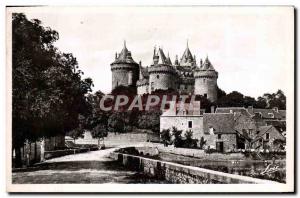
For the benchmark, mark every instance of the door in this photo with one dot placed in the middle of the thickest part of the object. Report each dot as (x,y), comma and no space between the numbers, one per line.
(220,147)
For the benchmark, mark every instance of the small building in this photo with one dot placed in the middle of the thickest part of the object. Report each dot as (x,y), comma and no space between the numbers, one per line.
(184,119)
(268,137)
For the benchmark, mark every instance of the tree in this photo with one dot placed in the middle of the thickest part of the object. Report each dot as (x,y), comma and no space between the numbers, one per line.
(99,132)
(76,133)
(165,136)
(177,137)
(189,139)
(202,142)
(48,93)
(116,122)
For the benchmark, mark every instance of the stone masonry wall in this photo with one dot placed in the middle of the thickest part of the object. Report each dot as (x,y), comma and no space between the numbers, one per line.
(181,174)
(181,123)
(162,81)
(206,86)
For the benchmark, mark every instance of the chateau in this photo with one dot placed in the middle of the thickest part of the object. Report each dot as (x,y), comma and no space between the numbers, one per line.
(183,75)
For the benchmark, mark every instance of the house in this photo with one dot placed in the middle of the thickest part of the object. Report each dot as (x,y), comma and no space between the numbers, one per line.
(219,131)
(268,137)
(184,118)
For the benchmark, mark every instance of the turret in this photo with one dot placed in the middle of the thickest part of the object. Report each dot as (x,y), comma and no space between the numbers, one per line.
(206,81)
(187,58)
(161,73)
(125,71)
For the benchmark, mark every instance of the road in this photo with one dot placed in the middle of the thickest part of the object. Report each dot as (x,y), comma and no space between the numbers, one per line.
(91,167)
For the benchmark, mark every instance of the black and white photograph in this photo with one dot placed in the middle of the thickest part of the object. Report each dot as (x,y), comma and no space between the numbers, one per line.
(152,97)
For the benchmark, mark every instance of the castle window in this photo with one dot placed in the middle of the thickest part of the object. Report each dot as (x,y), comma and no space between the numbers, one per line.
(190,124)
(157,76)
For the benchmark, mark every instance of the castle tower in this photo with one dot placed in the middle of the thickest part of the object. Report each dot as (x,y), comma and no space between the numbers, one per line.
(162,75)
(187,58)
(206,81)
(125,71)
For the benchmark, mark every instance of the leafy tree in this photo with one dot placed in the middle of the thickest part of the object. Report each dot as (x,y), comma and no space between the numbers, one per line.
(177,137)
(99,132)
(202,142)
(150,120)
(116,122)
(76,133)
(48,93)
(165,136)
(188,137)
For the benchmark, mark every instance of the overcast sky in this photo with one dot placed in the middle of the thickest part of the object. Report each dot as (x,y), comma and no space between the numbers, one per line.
(250,47)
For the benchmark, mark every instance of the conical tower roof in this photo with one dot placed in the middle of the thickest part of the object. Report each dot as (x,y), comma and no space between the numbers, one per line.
(124,56)
(160,57)
(207,64)
(187,58)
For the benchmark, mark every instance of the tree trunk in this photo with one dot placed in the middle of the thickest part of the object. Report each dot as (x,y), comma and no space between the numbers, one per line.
(42,149)
(98,142)
(35,152)
(18,157)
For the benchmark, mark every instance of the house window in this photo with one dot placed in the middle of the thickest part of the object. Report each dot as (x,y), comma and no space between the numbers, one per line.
(190,124)
(219,136)
(157,76)
(267,136)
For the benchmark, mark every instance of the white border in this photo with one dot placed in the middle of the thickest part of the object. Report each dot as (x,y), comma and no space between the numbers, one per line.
(149,187)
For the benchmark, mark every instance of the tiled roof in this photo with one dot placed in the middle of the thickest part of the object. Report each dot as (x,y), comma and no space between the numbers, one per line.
(241,110)
(267,113)
(221,122)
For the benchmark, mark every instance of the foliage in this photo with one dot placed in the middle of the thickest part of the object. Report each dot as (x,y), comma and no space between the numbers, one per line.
(202,142)
(76,133)
(99,132)
(189,142)
(165,135)
(236,99)
(177,137)
(48,93)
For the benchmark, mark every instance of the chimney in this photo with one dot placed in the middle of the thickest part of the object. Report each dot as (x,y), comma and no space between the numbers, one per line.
(212,109)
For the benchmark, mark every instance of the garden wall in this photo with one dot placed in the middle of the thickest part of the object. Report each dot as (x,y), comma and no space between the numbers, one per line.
(180,174)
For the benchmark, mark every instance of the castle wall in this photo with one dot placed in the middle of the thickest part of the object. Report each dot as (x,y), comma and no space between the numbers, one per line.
(206,86)
(124,77)
(162,81)
(142,89)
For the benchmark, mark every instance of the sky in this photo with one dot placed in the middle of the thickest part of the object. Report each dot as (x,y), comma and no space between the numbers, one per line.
(250,47)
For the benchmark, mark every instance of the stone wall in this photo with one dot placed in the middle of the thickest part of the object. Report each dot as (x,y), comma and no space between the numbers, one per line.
(162,81)
(142,89)
(206,86)
(124,76)
(181,174)
(181,123)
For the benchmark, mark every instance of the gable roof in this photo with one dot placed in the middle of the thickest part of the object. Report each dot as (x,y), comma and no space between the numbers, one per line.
(221,122)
